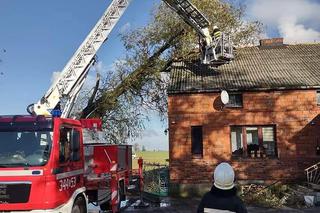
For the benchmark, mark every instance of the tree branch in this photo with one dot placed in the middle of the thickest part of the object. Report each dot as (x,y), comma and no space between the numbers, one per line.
(94,93)
(108,99)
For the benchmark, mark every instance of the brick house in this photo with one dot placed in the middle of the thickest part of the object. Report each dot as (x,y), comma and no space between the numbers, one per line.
(270,129)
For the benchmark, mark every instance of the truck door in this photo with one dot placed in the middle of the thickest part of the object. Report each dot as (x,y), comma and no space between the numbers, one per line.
(70,174)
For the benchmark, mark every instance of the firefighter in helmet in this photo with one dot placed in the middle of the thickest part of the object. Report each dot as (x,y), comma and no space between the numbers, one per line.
(216,33)
(223,195)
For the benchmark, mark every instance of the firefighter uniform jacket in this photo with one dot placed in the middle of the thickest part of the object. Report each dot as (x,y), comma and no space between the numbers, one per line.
(223,201)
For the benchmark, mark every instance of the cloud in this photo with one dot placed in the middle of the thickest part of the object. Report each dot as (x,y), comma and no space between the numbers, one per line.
(55,76)
(90,82)
(125,28)
(293,32)
(297,21)
(104,70)
(99,67)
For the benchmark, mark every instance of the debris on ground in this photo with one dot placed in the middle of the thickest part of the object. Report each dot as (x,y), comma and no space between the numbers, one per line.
(279,195)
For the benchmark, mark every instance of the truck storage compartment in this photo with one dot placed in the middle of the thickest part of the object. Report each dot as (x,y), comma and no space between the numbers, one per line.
(104,155)
(99,159)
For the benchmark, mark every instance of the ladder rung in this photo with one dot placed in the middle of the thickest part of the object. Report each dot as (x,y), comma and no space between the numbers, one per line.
(122,5)
(106,28)
(114,17)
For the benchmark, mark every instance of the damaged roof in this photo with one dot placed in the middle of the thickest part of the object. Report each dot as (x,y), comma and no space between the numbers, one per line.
(254,68)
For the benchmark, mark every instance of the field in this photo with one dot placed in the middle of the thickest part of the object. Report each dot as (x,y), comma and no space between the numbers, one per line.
(158,157)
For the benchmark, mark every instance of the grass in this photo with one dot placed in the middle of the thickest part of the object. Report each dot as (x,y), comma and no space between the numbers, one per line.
(158,157)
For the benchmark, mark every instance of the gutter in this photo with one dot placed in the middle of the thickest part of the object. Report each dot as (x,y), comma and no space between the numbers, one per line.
(197,91)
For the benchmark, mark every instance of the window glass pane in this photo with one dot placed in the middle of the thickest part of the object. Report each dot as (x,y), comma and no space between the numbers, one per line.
(252,140)
(196,140)
(75,145)
(236,141)
(267,134)
(25,148)
(235,100)
(232,99)
(268,140)
(318,97)
(252,135)
(64,144)
(238,99)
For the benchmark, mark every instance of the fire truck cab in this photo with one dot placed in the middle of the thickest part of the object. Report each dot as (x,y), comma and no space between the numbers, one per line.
(46,166)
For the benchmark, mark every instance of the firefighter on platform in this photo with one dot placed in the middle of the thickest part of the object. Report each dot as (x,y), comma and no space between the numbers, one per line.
(216,33)
(219,42)
(203,46)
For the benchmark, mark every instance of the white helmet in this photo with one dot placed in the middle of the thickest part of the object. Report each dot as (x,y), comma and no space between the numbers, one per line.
(223,176)
(215,27)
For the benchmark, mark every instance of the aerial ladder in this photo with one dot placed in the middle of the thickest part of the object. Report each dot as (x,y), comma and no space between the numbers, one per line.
(64,91)
(72,77)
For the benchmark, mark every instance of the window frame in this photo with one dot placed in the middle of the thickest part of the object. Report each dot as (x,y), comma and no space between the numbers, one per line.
(234,105)
(318,97)
(196,155)
(70,137)
(245,153)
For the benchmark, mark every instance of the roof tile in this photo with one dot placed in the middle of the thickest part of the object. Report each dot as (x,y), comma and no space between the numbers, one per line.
(289,66)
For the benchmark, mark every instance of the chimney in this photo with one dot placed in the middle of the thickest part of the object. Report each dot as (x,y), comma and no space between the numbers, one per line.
(272,42)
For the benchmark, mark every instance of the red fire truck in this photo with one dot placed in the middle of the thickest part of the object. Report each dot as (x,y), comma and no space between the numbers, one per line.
(46,166)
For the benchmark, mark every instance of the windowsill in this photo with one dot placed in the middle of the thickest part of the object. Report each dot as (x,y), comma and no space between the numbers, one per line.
(197,156)
(240,158)
(234,107)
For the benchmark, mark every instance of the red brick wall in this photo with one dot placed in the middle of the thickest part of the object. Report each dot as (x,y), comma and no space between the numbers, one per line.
(294,112)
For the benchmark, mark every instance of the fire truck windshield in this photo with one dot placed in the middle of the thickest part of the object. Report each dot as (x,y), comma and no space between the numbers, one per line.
(25,148)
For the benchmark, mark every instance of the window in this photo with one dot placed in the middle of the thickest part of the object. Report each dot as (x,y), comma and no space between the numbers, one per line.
(25,148)
(236,141)
(235,100)
(69,145)
(253,141)
(318,97)
(269,143)
(196,141)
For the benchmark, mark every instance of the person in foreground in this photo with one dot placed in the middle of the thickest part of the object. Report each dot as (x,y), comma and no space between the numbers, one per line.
(222,197)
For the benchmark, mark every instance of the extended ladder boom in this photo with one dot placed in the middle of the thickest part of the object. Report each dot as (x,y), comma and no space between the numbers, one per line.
(191,15)
(74,73)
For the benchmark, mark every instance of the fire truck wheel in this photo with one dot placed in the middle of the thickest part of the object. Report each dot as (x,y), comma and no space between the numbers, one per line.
(79,205)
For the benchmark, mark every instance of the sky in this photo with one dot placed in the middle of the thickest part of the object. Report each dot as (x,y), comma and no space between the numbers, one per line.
(297,21)
(39,37)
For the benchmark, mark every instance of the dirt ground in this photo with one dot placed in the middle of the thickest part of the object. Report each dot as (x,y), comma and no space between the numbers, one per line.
(172,205)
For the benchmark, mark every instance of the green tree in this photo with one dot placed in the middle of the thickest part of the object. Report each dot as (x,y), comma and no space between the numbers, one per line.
(137,84)
(136,147)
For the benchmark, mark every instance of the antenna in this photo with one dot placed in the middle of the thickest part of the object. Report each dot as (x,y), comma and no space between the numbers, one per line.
(224,97)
